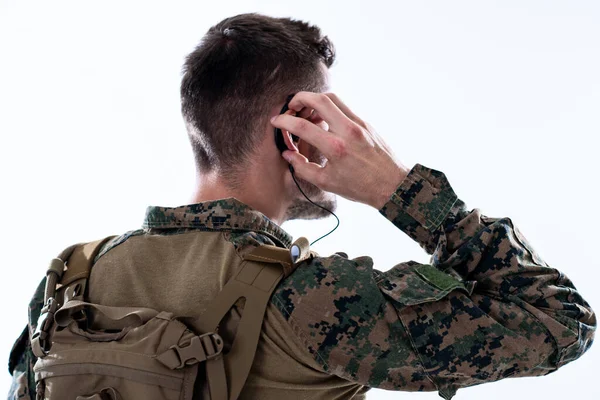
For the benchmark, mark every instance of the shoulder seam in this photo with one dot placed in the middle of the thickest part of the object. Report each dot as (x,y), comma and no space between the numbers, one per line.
(116,241)
(235,250)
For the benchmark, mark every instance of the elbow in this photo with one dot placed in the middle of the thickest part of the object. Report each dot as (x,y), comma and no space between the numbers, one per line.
(579,322)
(586,329)
(571,326)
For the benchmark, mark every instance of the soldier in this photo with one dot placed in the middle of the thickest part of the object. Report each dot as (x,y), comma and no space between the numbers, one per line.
(486,307)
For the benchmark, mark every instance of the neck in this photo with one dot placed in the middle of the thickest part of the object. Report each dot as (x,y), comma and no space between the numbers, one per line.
(261,191)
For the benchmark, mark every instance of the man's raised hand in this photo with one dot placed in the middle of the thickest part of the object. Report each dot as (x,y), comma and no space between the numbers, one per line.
(360,165)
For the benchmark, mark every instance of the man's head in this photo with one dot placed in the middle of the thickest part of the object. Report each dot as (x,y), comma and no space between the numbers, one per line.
(243,69)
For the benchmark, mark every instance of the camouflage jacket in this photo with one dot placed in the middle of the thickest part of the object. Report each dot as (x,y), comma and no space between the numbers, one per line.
(486,307)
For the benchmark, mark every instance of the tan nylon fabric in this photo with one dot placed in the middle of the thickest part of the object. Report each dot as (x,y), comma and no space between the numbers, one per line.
(133,346)
(255,283)
(81,365)
(181,274)
(116,358)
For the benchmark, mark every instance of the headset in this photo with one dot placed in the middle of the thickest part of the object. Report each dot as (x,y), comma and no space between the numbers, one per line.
(280,142)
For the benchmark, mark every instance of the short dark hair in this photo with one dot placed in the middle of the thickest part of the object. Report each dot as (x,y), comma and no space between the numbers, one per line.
(243,67)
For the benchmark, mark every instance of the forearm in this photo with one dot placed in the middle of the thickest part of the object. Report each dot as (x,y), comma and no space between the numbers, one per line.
(494,254)
(490,252)
(513,287)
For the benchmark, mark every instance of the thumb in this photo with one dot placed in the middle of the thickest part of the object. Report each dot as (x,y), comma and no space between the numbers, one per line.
(309,171)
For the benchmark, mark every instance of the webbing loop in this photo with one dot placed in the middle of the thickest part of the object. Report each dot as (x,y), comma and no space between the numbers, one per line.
(41,337)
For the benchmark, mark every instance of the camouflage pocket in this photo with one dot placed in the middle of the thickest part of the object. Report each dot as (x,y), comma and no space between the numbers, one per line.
(411,283)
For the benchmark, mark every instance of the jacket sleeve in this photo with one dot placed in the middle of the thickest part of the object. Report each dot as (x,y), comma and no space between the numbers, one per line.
(485,308)
(22,359)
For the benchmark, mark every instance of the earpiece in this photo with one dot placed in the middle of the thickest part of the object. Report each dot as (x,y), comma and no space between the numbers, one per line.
(279,141)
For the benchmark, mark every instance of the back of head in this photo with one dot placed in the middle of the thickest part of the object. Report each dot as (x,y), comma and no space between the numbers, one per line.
(243,67)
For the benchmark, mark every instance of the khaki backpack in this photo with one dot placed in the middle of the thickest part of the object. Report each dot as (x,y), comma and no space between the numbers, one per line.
(94,352)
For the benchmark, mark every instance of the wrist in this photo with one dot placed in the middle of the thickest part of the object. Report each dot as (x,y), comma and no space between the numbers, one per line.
(390,186)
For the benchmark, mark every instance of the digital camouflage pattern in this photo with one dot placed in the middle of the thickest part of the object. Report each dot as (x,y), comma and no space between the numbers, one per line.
(486,307)
(21,361)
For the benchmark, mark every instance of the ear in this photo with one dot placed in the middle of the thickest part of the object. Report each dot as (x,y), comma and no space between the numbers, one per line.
(287,136)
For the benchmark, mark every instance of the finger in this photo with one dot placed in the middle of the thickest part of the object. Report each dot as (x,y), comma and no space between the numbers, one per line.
(309,171)
(310,114)
(326,108)
(345,109)
(305,113)
(323,125)
(306,130)
(315,118)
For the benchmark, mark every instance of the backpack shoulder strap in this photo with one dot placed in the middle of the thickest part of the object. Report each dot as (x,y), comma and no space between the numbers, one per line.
(71,266)
(256,279)
(79,262)
(288,258)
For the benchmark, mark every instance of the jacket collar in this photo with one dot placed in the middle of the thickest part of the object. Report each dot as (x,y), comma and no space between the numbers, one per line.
(219,215)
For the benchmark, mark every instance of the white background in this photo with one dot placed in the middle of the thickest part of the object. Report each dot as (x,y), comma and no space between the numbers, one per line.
(503,97)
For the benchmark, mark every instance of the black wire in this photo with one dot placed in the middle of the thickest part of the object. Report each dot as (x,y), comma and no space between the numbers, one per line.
(338,220)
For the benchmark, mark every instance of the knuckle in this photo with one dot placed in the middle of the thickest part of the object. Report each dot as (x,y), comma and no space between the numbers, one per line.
(354,130)
(338,148)
(332,96)
(298,98)
(322,97)
(311,95)
(362,123)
